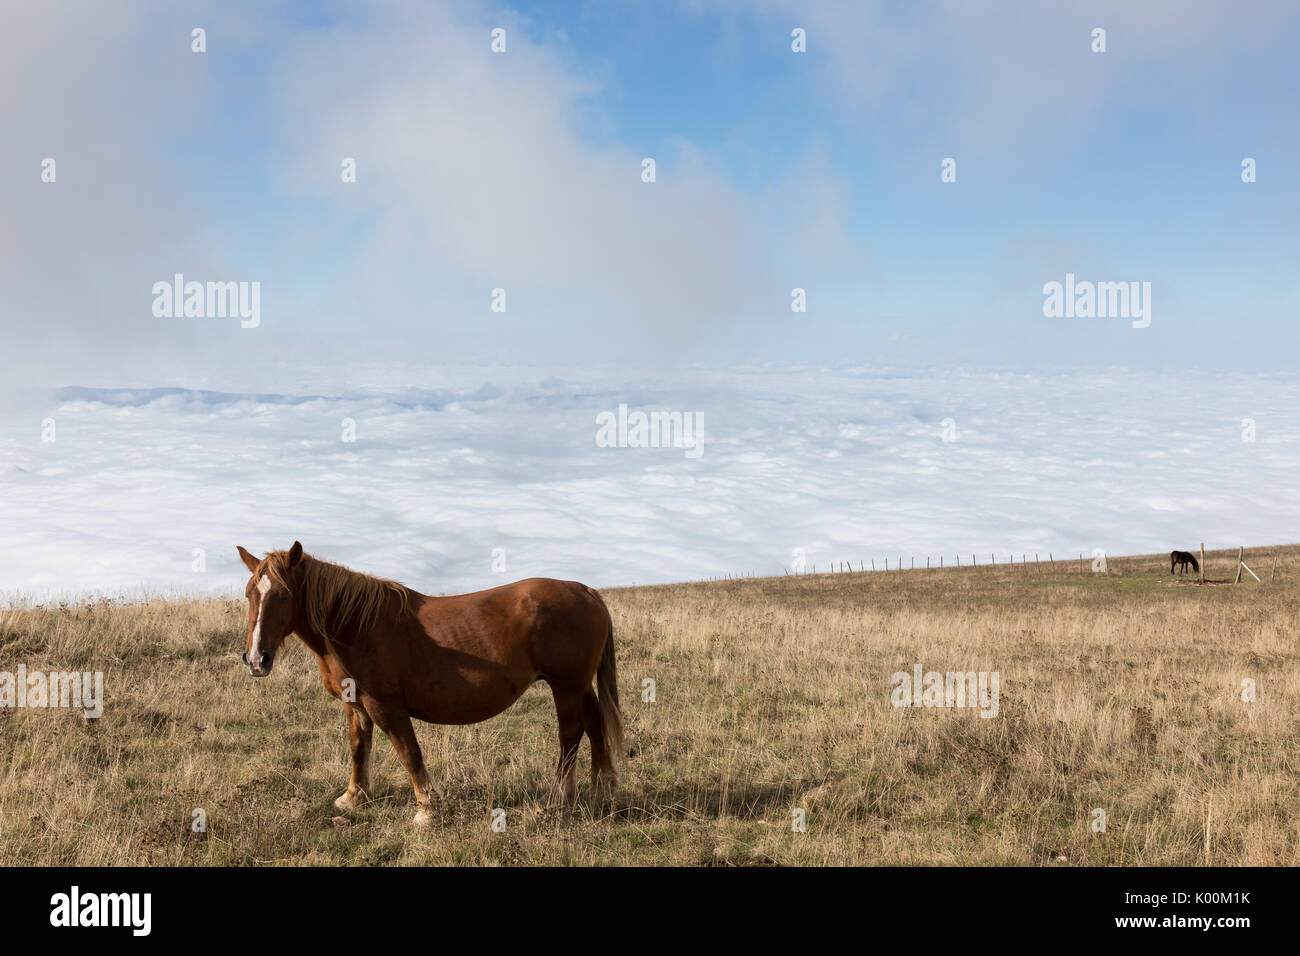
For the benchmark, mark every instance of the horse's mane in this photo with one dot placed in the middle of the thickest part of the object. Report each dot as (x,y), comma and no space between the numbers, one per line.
(334,598)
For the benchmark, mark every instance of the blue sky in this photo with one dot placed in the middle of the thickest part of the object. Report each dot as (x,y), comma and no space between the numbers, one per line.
(775,170)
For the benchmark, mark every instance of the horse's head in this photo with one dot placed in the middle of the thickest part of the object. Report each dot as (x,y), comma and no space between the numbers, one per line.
(270,606)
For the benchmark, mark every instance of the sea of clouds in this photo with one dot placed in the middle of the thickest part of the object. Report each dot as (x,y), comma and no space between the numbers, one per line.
(465,478)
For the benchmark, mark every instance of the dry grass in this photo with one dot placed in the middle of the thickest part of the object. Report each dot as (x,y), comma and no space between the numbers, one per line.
(1118,690)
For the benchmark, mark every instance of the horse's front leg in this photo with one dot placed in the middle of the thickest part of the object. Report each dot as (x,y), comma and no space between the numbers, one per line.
(359,733)
(360,728)
(397,725)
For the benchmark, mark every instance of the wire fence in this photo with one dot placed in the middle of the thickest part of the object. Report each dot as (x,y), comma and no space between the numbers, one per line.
(1265,571)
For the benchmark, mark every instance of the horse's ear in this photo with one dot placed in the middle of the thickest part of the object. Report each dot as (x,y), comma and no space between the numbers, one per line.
(295,554)
(250,562)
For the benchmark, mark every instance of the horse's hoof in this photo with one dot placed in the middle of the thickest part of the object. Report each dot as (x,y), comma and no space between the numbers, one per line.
(423,817)
(349,801)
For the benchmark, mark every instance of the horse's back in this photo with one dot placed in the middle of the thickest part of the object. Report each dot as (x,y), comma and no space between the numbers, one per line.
(530,612)
(531,596)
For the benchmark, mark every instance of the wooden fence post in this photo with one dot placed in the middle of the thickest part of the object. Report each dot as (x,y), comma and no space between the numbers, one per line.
(1202,562)
(1240,551)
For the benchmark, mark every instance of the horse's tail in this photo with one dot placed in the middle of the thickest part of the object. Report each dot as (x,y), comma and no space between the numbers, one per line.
(611,721)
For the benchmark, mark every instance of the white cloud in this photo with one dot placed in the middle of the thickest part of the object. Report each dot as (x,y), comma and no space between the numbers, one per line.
(847,464)
(473,172)
(995,78)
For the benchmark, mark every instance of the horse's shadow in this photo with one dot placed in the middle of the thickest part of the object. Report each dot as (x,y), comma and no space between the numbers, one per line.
(681,800)
(752,800)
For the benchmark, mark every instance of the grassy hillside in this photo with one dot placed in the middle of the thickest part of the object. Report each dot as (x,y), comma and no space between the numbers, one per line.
(1119,690)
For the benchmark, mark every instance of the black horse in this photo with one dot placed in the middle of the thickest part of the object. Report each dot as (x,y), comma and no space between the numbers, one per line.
(1182,559)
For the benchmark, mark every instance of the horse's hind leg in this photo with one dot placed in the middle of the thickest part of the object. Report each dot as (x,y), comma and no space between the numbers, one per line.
(568,708)
(360,727)
(603,776)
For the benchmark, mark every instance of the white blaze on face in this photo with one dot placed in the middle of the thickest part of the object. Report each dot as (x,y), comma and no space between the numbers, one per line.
(255,652)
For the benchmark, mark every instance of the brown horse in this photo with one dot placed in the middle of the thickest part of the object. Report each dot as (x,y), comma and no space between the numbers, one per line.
(391,653)
(1181,559)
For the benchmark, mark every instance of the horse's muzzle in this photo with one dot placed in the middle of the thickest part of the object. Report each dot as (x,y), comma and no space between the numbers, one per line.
(263,667)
